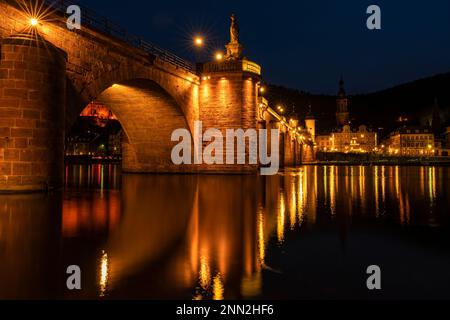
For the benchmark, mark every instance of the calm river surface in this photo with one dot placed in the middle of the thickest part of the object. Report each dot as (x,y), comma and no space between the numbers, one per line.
(306,233)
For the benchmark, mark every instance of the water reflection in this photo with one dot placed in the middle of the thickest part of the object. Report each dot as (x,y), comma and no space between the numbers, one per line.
(222,237)
(104,274)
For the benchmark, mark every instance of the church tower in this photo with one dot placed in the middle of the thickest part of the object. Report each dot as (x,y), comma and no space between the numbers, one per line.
(310,122)
(436,121)
(342,114)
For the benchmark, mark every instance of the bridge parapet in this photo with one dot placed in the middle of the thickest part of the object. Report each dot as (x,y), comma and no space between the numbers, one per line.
(230,66)
(296,143)
(99,23)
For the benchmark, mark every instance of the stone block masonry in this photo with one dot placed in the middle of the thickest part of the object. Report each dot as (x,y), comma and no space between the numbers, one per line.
(32,99)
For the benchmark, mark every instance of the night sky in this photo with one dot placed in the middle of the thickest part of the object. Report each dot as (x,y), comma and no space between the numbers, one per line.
(305,45)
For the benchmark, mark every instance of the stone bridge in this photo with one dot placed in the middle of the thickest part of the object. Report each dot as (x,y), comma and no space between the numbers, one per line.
(49,74)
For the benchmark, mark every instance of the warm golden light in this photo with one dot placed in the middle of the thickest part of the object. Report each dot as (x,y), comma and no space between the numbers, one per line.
(293,205)
(34,22)
(261,240)
(281,218)
(218,288)
(205,273)
(332,187)
(262,89)
(104,274)
(199,41)
(219,56)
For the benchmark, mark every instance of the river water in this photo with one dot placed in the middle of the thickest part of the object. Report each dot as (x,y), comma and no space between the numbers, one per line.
(305,233)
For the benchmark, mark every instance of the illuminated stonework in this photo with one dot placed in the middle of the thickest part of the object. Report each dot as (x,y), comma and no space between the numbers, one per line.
(349,141)
(344,138)
(411,141)
(98,110)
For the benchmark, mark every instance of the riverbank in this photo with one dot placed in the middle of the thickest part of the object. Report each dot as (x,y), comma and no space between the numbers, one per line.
(381,163)
(90,160)
(370,159)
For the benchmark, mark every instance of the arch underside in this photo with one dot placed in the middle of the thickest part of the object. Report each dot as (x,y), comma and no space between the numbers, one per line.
(148,115)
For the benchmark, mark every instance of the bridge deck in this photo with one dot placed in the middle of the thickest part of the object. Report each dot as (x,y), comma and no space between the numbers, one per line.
(99,23)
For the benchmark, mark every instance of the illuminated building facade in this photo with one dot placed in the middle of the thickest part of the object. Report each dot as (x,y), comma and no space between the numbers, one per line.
(412,141)
(80,146)
(115,144)
(360,140)
(345,138)
(447,137)
(324,143)
(445,151)
(99,111)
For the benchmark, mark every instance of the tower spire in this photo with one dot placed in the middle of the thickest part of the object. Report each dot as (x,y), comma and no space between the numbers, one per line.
(310,114)
(342,113)
(342,92)
(310,122)
(436,122)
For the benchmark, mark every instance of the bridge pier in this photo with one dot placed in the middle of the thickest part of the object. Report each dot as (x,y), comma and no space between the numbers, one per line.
(308,154)
(32,104)
(229,100)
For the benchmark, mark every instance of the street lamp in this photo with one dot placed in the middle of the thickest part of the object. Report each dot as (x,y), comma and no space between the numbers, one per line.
(34,22)
(429,149)
(219,56)
(199,41)
(280,109)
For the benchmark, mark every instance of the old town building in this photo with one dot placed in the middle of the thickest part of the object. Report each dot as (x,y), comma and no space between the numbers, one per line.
(344,138)
(411,141)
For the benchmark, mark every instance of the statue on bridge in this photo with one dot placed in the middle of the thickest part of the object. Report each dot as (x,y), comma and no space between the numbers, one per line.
(234,30)
(234,48)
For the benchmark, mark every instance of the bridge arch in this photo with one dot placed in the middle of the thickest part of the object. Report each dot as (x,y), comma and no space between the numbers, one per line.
(107,72)
(148,115)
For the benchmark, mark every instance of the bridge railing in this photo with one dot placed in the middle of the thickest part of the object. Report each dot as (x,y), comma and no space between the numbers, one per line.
(302,135)
(97,22)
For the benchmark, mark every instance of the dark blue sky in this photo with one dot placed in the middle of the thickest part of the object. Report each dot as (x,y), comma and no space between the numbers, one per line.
(303,44)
